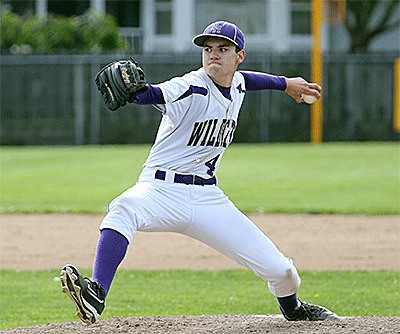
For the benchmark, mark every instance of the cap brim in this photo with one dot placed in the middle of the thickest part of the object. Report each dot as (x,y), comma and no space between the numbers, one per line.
(200,39)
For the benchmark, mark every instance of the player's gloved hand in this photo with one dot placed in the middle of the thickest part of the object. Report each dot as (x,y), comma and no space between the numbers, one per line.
(120,82)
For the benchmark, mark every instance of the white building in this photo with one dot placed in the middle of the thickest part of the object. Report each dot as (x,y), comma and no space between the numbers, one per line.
(160,26)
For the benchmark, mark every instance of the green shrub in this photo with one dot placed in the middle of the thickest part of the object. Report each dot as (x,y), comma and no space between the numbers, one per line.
(30,34)
(87,33)
(11,30)
(98,33)
(59,34)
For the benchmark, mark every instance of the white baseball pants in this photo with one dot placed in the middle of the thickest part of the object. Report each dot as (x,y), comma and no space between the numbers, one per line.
(206,214)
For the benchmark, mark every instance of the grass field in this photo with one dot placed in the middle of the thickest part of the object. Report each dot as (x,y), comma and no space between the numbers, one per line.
(298,178)
(157,293)
(355,178)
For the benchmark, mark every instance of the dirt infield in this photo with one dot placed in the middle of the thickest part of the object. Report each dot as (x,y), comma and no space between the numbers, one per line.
(317,242)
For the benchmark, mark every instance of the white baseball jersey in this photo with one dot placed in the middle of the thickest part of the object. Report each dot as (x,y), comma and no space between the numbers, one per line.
(198,124)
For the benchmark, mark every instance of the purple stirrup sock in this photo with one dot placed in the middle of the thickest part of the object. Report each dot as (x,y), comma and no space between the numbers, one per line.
(111,250)
(288,304)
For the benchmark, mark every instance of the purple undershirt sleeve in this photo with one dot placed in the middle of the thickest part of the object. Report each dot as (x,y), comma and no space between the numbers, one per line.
(254,81)
(260,81)
(153,95)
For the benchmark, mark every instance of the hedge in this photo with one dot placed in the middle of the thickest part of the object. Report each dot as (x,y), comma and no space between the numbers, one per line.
(87,33)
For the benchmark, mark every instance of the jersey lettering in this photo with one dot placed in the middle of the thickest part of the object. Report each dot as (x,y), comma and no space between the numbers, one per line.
(211,139)
(210,122)
(196,133)
(208,133)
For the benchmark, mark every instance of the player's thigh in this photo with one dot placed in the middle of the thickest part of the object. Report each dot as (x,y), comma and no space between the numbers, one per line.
(149,207)
(226,229)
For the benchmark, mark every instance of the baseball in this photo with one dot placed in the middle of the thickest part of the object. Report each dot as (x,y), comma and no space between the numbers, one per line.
(308,98)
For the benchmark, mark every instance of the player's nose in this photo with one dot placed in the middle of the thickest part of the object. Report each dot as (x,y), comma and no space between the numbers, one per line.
(214,54)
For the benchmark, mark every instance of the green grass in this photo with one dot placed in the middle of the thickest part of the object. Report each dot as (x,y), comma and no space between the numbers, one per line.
(352,178)
(32,298)
(343,178)
(355,178)
(66,179)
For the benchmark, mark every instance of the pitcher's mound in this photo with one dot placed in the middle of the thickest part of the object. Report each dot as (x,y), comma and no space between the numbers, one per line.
(219,324)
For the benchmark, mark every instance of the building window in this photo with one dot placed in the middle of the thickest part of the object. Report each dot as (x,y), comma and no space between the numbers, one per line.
(163,17)
(127,12)
(68,8)
(249,15)
(301,17)
(19,7)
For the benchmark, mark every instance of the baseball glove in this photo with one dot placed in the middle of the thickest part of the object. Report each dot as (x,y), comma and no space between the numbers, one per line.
(120,82)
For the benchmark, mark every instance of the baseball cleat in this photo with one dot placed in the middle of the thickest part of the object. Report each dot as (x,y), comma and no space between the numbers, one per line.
(87,296)
(310,312)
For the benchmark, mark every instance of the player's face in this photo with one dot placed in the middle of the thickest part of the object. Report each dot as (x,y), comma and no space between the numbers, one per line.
(220,60)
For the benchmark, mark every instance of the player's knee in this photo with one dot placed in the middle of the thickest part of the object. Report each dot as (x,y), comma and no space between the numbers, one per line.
(286,283)
(293,278)
(120,205)
(122,216)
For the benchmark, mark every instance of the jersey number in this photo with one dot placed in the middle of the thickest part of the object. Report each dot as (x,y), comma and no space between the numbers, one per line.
(211,165)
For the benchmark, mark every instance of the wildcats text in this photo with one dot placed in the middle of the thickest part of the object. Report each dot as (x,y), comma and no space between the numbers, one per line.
(212,132)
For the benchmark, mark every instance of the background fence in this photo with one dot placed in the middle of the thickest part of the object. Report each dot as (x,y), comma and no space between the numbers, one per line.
(48,100)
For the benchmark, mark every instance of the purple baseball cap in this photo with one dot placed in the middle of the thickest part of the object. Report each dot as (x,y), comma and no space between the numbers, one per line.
(221,29)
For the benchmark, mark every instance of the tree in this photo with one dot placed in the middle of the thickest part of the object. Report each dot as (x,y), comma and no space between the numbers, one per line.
(366,19)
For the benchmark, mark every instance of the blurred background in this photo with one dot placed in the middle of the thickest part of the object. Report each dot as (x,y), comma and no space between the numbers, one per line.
(51,51)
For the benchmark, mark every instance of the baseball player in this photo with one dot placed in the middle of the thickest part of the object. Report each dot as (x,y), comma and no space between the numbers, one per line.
(177,189)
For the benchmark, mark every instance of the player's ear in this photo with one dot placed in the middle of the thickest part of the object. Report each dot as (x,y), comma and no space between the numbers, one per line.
(241,55)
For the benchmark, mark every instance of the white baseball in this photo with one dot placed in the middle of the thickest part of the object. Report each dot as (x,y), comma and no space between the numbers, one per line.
(308,98)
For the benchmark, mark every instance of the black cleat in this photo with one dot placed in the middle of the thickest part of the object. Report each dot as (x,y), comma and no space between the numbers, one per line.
(87,296)
(310,312)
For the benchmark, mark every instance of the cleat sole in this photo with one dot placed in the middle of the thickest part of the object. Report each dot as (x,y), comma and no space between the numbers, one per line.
(69,287)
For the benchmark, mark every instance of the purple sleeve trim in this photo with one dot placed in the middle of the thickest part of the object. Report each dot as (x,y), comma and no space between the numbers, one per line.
(193,90)
(153,95)
(260,81)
